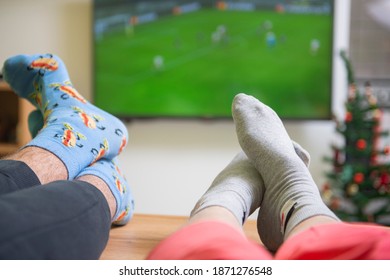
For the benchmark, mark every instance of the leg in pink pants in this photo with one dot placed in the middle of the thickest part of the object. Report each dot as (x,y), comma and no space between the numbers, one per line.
(212,240)
(339,241)
(209,240)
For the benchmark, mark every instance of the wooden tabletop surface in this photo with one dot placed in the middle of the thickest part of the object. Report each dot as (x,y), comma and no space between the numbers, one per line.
(135,240)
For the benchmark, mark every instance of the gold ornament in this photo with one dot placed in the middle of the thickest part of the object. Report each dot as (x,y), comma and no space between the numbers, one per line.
(352,189)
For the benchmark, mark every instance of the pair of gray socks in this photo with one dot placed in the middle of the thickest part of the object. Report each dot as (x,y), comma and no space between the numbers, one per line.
(270,173)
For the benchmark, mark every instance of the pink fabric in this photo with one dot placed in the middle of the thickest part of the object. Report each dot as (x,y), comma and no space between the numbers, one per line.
(213,240)
(208,241)
(341,241)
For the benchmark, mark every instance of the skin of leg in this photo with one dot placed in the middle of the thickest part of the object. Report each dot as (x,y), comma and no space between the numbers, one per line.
(216,213)
(103,187)
(45,165)
(310,222)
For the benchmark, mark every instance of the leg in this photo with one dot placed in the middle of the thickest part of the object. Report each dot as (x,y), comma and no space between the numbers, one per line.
(239,187)
(214,230)
(33,165)
(60,220)
(69,132)
(15,176)
(50,167)
(65,219)
(291,196)
(108,178)
(326,240)
(212,234)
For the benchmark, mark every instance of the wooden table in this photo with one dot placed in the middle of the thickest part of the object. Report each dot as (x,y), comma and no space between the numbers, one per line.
(136,239)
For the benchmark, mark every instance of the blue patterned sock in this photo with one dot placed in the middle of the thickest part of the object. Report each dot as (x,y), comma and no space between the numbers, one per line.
(74,130)
(110,173)
(35,122)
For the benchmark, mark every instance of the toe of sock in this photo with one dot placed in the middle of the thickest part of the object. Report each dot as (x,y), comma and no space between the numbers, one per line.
(13,70)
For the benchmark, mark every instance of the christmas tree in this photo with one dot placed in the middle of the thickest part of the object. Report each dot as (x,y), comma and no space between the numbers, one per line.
(358,186)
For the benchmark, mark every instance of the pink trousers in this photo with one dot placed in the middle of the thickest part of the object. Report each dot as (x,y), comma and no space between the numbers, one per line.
(211,240)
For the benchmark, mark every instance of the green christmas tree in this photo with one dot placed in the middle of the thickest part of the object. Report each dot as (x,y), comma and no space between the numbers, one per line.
(358,186)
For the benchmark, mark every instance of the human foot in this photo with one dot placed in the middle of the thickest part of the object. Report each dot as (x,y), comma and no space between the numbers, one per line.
(76,131)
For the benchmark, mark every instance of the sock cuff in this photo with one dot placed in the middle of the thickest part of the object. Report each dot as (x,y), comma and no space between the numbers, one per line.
(225,200)
(301,211)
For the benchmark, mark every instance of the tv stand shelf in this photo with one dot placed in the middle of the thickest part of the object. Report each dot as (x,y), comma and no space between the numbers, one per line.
(14,111)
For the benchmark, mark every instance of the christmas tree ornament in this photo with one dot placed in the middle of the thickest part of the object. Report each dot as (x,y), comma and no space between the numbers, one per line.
(358,178)
(352,189)
(361,144)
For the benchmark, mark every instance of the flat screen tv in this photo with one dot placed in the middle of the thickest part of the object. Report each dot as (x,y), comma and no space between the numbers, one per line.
(188,59)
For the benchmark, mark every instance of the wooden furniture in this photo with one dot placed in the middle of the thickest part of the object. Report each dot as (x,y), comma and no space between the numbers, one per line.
(13,120)
(135,240)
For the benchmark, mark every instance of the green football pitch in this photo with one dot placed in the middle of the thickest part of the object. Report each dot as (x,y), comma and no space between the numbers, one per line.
(199,78)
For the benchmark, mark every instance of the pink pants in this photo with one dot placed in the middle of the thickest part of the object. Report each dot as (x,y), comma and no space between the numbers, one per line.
(212,240)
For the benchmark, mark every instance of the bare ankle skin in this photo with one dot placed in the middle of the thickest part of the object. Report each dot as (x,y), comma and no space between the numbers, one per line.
(103,187)
(216,213)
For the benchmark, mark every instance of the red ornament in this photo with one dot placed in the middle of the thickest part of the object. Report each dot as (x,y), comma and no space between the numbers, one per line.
(384,178)
(358,178)
(361,144)
(348,117)
(386,150)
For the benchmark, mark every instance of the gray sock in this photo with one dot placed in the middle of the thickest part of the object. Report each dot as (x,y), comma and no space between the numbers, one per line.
(239,187)
(291,195)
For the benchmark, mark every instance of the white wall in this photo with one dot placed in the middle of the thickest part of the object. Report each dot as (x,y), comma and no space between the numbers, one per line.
(168,163)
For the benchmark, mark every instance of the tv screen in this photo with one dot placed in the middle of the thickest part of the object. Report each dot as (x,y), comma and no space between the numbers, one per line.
(188,59)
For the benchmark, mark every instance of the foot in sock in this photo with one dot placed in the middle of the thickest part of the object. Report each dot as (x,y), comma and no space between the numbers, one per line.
(109,172)
(239,187)
(74,130)
(290,196)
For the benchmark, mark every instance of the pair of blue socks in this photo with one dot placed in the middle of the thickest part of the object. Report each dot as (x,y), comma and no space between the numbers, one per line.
(85,138)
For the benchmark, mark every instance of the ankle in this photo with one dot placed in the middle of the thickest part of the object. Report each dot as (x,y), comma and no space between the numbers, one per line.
(104,188)
(216,213)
